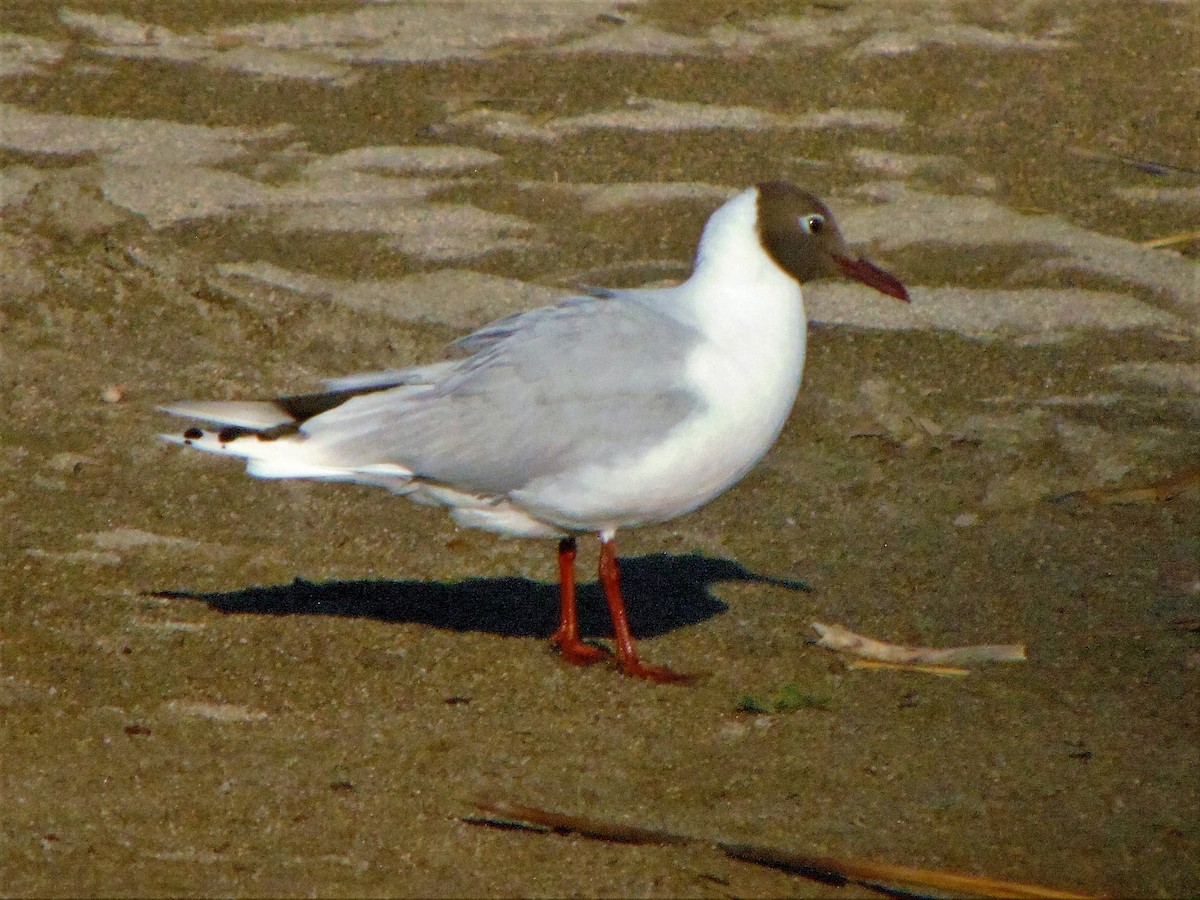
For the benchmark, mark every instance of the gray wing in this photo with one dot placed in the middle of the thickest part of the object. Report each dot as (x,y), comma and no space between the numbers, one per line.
(545,392)
(529,319)
(373,381)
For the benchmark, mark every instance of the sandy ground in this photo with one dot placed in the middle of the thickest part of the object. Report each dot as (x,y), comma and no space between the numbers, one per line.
(231,199)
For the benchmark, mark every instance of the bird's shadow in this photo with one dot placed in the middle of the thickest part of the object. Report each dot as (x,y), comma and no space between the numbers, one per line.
(662,592)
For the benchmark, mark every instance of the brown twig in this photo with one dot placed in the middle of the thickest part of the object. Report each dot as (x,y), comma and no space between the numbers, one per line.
(1161,491)
(1184,237)
(883,877)
(1150,166)
(567,824)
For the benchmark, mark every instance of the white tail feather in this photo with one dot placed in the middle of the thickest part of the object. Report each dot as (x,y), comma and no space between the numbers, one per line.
(291,457)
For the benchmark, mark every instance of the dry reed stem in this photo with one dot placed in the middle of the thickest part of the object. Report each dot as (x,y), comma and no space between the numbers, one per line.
(883,877)
(835,637)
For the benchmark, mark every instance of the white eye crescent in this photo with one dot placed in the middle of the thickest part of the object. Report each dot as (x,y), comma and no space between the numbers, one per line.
(812,223)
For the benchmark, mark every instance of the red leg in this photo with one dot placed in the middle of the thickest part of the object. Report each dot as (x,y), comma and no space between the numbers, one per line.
(627,660)
(566,639)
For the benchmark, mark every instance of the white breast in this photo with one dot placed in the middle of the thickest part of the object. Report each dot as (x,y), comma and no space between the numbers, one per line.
(747,370)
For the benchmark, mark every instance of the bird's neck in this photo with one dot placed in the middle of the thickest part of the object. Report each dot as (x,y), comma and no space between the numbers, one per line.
(736,286)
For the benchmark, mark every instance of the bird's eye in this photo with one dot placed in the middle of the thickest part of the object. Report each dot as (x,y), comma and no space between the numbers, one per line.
(812,224)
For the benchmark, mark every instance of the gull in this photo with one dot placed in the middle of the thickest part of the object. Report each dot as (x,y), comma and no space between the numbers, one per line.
(606,411)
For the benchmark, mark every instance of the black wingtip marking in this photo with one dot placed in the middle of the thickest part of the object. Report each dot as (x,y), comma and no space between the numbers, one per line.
(302,407)
(234,432)
(227,434)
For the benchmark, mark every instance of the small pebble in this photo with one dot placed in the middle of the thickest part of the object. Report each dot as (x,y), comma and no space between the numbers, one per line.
(113,394)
